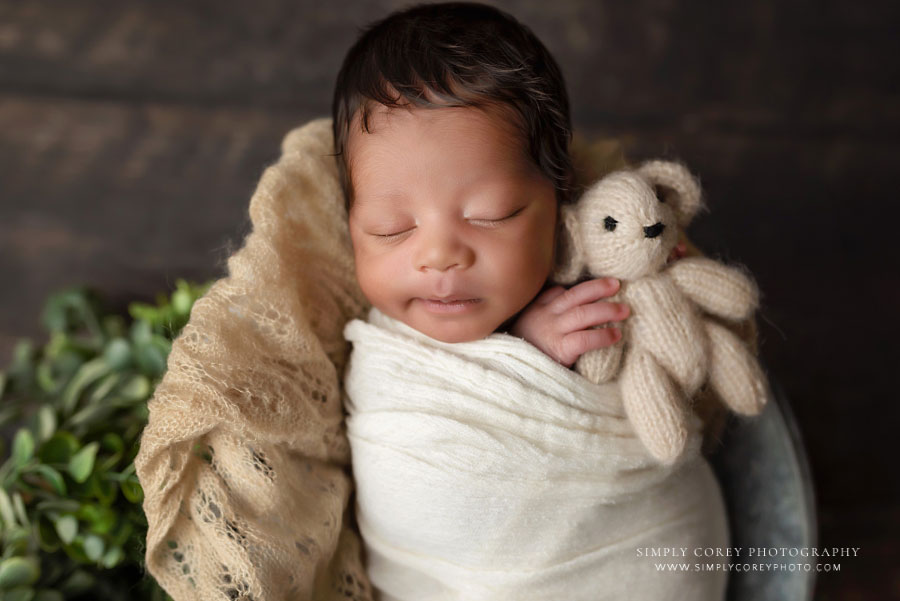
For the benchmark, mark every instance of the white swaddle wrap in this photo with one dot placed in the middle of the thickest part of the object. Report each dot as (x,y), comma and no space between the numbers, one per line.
(487,471)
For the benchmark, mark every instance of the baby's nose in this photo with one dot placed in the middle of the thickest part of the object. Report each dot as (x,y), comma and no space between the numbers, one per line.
(652,231)
(441,253)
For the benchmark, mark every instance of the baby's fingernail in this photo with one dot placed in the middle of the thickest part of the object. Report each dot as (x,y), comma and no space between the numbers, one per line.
(613,281)
(616,334)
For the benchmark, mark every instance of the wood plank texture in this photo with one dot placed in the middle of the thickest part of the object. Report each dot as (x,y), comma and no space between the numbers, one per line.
(132,135)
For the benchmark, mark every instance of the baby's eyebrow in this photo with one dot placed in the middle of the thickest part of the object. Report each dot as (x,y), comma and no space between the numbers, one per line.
(384,196)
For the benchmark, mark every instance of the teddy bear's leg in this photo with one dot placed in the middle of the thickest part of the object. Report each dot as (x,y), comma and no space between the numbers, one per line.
(734,373)
(654,405)
(600,365)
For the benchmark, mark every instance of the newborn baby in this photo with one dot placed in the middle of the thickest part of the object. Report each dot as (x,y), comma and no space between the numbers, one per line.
(484,467)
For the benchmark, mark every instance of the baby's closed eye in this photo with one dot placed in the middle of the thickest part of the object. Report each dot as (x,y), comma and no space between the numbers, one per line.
(394,232)
(497,219)
(389,232)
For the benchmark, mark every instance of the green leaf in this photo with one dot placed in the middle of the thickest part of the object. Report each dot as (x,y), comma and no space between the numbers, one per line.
(46,422)
(59,448)
(76,550)
(104,387)
(141,333)
(53,373)
(132,490)
(102,489)
(101,519)
(58,506)
(150,359)
(88,373)
(59,341)
(48,595)
(91,415)
(23,447)
(163,344)
(18,571)
(123,531)
(66,528)
(112,557)
(117,353)
(82,463)
(70,310)
(142,413)
(21,368)
(55,316)
(16,542)
(94,547)
(6,510)
(77,583)
(19,508)
(53,478)
(182,301)
(44,376)
(20,593)
(137,388)
(48,539)
(114,444)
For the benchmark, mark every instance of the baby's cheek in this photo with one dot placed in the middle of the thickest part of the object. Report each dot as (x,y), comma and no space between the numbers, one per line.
(545,248)
(369,275)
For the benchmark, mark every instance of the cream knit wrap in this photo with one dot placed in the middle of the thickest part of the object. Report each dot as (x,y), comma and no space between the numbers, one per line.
(486,471)
(245,462)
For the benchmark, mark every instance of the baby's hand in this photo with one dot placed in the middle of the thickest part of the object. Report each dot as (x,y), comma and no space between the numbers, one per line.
(559,321)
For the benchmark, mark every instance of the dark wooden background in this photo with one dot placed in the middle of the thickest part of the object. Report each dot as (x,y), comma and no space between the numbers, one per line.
(132,135)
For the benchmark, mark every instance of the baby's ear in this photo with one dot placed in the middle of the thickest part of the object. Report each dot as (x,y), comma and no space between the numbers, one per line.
(569,259)
(674,185)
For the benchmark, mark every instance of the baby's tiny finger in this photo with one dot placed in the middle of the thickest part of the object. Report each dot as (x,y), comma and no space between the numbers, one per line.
(679,251)
(597,313)
(582,293)
(549,294)
(576,344)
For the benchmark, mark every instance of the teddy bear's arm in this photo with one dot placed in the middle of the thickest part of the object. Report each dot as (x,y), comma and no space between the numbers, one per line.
(600,365)
(718,289)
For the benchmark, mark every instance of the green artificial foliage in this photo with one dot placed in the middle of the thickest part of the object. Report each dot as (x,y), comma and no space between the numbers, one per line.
(71,522)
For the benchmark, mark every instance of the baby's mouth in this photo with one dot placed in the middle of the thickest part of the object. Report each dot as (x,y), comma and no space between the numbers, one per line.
(450,304)
(451,299)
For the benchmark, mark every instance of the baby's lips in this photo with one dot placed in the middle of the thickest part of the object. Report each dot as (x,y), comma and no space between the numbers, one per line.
(452,298)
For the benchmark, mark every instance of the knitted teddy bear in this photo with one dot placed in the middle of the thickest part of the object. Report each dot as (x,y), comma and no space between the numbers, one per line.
(625,226)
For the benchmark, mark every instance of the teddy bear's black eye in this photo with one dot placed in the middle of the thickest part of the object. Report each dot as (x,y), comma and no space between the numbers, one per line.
(609,223)
(660,193)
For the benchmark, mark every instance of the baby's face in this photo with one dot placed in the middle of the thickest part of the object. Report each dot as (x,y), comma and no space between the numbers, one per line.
(452,226)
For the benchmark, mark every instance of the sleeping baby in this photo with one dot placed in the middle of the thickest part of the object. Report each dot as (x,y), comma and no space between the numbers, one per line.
(485,467)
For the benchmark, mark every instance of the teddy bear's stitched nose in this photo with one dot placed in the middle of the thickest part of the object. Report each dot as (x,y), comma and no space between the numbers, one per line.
(652,231)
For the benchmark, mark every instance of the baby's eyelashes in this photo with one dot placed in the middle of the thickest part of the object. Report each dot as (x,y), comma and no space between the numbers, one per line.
(394,234)
(497,219)
(480,222)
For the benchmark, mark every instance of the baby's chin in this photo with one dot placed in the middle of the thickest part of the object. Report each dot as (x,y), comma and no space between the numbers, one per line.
(454,335)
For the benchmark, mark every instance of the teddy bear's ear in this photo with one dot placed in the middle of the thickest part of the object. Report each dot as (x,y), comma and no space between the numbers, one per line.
(676,186)
(569,259)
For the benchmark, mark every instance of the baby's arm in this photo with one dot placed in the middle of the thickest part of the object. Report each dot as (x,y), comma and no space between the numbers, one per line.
(559,321)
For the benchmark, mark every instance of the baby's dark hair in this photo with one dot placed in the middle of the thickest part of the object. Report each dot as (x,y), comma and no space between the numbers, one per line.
(465,54)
